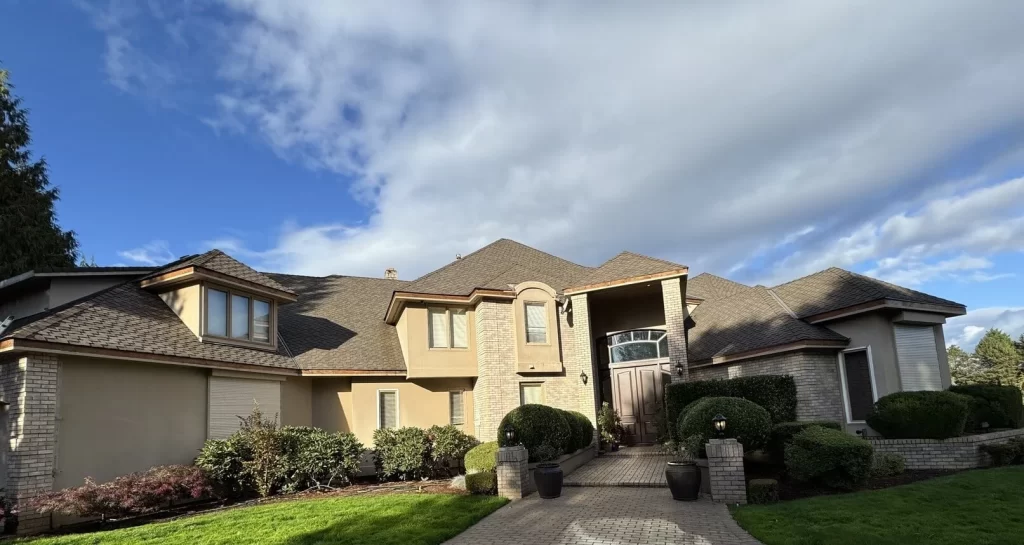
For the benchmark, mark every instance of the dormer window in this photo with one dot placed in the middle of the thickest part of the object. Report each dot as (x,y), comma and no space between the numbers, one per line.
(237,316)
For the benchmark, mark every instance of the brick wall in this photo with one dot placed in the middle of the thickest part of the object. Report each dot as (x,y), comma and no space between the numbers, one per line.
(816,375)
(725,466)
(675,326)
(29,385)
(955,453)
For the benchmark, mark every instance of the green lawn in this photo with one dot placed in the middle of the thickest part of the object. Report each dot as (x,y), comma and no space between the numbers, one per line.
(391,519)
(983,506)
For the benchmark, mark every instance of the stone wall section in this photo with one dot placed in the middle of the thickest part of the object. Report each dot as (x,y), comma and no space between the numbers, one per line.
(946,454)
(29,385)
(816,373)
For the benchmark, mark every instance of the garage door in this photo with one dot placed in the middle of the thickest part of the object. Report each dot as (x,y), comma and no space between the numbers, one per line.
(918,358)
(231,398)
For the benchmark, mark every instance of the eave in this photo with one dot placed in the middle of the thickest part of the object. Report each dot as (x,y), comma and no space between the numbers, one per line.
(193,274)
(767,351)
(666,275)
(400,298)
(878,304)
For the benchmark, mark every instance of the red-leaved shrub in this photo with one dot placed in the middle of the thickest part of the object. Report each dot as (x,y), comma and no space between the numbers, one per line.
(133,494)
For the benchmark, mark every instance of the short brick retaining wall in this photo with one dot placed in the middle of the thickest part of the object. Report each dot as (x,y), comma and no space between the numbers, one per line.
(515,475)
(955,453)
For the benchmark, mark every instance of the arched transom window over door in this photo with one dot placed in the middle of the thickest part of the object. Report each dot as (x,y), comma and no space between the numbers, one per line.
(638,344)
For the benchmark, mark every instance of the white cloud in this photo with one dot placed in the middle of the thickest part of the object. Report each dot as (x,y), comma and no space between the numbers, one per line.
(157,252)
(965,331)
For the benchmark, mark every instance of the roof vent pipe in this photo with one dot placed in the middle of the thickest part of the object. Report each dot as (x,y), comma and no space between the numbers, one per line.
(391,273)
(458,257)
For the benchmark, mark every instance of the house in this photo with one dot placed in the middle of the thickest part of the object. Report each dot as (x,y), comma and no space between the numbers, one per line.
(107,370)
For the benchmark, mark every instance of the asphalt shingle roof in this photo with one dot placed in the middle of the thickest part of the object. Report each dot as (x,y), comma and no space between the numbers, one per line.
(709,287)
(495,266)
(835,288)
(626,265)
(218,261)
(337,323)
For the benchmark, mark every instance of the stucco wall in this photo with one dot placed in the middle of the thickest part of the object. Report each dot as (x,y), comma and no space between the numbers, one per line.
(423,361)
(816,374)
(297,401)
(874,330)
(350,404)
(186,302)
(61,290)
(118,417)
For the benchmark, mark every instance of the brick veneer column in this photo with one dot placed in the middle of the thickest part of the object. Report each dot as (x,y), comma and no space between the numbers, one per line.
(496,391)
(513,472)
(675,326)
(581,357)
(725,464)
(29,386)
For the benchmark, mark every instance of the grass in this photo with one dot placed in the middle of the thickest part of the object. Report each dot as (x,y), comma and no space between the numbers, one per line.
(983,506)
(386,519)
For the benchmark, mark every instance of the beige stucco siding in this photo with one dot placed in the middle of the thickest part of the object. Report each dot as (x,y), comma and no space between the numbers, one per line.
(186,302)
(425,362)
(118,417)
(873,330)
(350,404)
(297,402)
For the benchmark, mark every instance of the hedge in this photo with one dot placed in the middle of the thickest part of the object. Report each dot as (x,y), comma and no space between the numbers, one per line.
(483,457)
(130,495)
(1008,453)
(762,491)
(485,482)
(888,464)
(402,453)
(920,415)
(776,393)
(1000,406)
(543,430)
(582,430)
(746,421)
(829,457)
(783,432)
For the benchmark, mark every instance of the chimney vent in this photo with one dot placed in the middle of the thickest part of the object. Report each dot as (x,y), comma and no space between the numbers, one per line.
(458,257)
(391,273)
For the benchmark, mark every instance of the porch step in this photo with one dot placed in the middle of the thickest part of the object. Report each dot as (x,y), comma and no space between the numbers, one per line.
(639,471)
(647,450)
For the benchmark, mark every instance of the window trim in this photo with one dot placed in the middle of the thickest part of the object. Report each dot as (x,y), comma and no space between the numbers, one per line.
(538,384)
(661,358)
(462,396)
(449,336)
(398,413)
(526,323)
(269,344)
(842,378)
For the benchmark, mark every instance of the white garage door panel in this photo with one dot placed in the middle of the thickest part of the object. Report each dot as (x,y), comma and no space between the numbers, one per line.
(918,358)
(231,398)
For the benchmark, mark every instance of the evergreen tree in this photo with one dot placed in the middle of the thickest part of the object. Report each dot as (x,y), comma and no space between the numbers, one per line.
(29,235)
(999,358)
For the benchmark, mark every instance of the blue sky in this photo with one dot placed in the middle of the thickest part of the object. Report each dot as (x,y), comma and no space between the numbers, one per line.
(761,143)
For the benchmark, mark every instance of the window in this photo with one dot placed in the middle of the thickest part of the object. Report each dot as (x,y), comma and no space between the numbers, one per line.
(536,323)
(918,357)
(237,316)
(449,328)
(530,392)
(455,408)
(387,409)
(640,344)
(858,384)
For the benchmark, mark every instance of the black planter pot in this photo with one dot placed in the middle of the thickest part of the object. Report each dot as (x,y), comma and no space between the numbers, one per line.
(548,478)
(683,480)
(705,476)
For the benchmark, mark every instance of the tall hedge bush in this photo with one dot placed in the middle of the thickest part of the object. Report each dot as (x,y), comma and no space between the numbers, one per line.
(543,430)
(746,421)
(920,415)
(999,406)
(775,393)
(582,430)
(829,457)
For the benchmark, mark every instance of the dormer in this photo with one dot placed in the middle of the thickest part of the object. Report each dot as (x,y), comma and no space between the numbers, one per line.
(222,300)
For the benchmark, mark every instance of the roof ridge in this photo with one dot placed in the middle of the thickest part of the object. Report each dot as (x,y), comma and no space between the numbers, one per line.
(652,258)
(781,303)
(895,286)
(500,240)
(329,276)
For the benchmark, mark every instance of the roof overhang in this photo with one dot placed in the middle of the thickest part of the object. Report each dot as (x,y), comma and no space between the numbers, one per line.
(879,304)
(767,351)
(32,280)
(400,298)
(192,273)
(666,275)
(349,373)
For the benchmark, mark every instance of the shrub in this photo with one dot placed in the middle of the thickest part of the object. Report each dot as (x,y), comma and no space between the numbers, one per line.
(747,422)
(402,453)
(783,432)
(776,393)
(132,494)
(1000,406)
(762,491)
(609,425)
(582,430)
(537,426)
(485,482)
(920,415)
(223,462)
(448,448)
(483,457)
(266,465)
(829,457)
(888,464)
(324,460)
(1009,453)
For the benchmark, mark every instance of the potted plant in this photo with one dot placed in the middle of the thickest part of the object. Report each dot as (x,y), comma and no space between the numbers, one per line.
(548,475)
(609,427)
(682,474)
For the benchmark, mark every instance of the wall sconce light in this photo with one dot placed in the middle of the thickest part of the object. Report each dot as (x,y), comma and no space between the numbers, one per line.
(719,423)
(679,369)
(583,376)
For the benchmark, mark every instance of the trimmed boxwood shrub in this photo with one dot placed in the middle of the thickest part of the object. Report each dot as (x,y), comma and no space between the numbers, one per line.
(582,430)
(485,482)
(483,457)
(762,491)
(829,457)
(538,426)
(888,464)
(747,422)
(776,393)
(401,453)
(783,433)
(920,415)
(1000,406)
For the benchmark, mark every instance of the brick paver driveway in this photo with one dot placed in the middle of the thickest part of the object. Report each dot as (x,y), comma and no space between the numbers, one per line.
(607,516)
(611,470)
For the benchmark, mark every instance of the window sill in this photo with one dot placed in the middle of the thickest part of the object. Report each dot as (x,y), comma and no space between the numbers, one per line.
(455,349)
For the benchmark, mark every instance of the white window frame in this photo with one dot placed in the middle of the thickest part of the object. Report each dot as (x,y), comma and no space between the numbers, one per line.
(398,412)
(449,331)
(531,383)
(462,395)
(842,377)
(526,323)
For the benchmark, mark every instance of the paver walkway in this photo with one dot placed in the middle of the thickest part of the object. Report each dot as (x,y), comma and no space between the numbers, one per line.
(634,466)
(607,516)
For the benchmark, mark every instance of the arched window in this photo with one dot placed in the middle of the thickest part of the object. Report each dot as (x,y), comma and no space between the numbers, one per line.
(639,344)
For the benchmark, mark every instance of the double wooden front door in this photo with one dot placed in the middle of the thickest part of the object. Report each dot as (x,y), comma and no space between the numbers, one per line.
(636,394)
